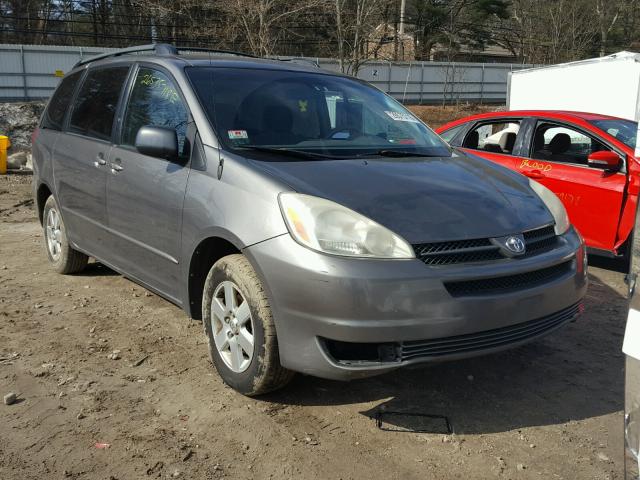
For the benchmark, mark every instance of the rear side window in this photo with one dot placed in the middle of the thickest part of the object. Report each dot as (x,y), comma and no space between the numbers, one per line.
(59,103)
(155,101)
(96,103)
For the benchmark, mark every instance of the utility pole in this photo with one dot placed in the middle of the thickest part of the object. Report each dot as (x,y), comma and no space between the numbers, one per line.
(154,30)
(400,31)
(403,6)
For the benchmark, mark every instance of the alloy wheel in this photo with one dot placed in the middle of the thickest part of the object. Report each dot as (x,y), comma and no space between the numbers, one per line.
(54,234)
(232,326)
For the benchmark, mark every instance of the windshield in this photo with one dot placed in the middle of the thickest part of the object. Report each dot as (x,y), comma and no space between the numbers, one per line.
(314,113)
(624,130)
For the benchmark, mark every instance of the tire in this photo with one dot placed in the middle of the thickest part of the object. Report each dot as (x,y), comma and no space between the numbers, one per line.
(226,325)
(62,256)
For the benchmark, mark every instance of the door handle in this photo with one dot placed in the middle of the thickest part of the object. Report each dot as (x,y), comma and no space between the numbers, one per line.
(100,161)
(535,174)
(116,166)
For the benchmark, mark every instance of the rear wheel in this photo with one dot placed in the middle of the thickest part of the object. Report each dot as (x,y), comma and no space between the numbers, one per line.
(60,253)
(239,326)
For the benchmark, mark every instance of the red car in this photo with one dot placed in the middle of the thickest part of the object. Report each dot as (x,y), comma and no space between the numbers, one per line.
(588,160)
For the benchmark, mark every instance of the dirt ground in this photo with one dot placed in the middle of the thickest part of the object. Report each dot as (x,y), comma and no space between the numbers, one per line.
(550,410)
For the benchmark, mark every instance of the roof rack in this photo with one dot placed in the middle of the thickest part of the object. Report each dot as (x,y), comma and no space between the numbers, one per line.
(215,50)
(157,48)
(299,60)
(160,49)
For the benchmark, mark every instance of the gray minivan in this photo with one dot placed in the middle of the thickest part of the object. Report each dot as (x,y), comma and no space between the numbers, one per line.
(312,222)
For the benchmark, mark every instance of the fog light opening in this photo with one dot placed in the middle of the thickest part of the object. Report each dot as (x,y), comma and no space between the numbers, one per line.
(352,352)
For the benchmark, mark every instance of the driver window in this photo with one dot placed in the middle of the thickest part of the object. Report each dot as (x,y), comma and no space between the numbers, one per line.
(555,143)
(495,137)
(155,101)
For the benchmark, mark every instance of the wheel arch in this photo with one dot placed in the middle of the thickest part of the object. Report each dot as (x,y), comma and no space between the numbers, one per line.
(204,255)
(43,192)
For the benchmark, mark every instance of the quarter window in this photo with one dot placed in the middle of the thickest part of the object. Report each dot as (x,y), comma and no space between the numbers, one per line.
(496,137)
(57,108)
(449,135)
(155,101)
(95,107)
(555,143)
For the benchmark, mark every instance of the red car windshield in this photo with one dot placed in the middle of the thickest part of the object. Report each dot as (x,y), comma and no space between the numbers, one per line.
(624,130)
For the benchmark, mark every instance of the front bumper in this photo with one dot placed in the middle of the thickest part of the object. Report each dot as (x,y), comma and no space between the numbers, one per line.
(402,309)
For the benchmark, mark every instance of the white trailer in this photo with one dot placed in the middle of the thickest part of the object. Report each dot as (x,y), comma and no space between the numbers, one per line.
(607,85)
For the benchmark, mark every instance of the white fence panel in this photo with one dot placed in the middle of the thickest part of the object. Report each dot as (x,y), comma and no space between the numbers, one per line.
(31,72)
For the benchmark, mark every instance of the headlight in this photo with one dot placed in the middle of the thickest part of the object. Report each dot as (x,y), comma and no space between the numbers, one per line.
(554,205)
(328,227)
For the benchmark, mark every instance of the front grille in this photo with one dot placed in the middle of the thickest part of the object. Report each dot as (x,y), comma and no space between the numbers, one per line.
(482,249)
(488,338)
(540,240)
(463,251)
(507,283)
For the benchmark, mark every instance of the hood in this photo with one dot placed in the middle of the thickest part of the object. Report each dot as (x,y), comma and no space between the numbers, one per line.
(423,199)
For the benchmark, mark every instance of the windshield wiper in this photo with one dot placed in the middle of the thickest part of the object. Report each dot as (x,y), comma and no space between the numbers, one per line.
(305,154)
(287,151)
(396,153)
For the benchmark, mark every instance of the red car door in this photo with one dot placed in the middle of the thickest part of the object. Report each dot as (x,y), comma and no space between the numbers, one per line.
(593,198)
(494,140)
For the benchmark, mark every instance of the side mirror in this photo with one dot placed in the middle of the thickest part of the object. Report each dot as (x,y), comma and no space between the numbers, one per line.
(605,159)
(161,142)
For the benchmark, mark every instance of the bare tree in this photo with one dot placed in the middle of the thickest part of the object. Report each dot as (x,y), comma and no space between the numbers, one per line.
(607,14)
(262,21)
(535,31)
(356,20)
(552,31)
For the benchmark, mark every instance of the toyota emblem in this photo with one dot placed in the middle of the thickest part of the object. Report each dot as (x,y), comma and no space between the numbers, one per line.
(514,244)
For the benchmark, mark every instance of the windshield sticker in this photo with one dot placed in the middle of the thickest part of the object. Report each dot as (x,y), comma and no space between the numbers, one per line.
(238,134)
(402,116)
(302,105)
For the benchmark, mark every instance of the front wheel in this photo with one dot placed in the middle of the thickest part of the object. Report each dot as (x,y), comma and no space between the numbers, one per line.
(60,253)
(239,326)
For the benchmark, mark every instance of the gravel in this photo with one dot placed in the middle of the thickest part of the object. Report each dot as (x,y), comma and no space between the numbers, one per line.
(18,121)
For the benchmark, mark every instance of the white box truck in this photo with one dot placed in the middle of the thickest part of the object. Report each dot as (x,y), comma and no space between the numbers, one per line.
(608,85)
